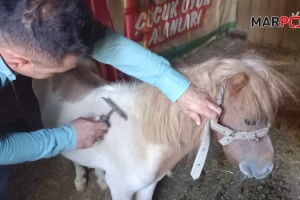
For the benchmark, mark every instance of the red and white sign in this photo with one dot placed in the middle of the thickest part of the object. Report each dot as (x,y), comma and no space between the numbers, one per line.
(160,22)
(169,27)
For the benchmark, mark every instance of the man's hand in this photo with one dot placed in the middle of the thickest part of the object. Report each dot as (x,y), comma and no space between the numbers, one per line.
(88,132)
(196,103)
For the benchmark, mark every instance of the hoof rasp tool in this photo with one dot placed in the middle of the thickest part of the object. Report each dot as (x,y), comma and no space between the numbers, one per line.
(114,108)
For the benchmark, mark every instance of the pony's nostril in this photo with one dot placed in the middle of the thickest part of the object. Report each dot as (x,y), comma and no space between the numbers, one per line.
(246,169)
(269,168)
(265,172)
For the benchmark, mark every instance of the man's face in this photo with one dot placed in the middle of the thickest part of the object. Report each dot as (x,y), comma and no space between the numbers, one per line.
(38,70)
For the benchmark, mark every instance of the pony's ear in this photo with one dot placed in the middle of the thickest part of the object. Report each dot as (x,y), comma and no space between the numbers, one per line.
(236,83)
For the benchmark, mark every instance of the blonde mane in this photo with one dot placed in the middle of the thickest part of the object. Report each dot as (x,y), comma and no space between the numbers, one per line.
(163,123)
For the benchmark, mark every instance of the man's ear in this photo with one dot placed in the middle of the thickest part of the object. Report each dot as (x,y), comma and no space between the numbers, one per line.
(15,60)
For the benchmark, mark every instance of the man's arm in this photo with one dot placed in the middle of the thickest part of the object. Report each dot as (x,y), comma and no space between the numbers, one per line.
(135,60)
(45,143)
(21,147)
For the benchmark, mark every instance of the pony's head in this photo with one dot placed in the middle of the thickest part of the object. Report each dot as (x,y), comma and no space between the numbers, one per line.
(251,95)
(253,155)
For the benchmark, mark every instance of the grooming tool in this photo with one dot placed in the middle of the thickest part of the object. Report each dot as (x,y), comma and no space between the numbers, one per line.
(114,108)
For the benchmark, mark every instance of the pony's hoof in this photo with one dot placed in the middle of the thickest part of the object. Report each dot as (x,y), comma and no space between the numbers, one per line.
(102,184)
(80,184)
(170,174)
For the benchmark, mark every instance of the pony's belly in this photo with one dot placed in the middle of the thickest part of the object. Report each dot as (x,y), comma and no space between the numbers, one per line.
(85,157)
(122,158)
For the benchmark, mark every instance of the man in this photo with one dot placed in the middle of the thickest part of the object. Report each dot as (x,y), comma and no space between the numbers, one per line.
(39,38)
(20,147)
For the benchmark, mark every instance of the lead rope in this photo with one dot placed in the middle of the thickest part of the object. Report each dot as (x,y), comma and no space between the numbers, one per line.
(205,141)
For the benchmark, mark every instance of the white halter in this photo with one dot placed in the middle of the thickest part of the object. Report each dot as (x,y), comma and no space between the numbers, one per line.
(229,136)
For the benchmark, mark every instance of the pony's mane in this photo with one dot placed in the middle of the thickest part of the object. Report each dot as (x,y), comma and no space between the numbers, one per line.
(163,122)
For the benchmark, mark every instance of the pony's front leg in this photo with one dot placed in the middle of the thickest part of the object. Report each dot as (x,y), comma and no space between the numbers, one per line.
(146,193)
(101,178)
(118,188)
(80,180)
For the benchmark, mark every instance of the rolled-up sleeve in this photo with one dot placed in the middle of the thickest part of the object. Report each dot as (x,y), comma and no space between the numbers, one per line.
(137,61)
(29,146)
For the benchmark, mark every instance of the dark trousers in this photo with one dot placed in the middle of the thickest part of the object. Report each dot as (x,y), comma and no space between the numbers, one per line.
(4,179)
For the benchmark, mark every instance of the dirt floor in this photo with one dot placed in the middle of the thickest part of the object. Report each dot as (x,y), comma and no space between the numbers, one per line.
(52,179)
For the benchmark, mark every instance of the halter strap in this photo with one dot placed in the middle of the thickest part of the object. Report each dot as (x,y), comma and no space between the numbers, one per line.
(231,135)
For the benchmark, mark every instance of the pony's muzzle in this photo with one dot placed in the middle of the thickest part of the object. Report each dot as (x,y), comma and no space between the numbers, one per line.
(254,170)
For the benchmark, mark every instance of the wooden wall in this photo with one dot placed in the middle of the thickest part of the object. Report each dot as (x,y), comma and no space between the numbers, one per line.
(284,38)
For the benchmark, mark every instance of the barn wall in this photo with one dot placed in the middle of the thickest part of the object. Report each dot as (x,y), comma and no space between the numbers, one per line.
(284,38)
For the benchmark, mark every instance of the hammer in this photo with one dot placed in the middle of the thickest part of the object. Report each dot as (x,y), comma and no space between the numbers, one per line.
(114,108)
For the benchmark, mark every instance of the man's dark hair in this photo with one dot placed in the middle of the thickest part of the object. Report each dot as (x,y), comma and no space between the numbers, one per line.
(50,28)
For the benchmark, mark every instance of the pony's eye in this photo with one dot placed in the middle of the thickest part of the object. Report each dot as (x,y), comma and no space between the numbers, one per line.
(247,122)
(250,122)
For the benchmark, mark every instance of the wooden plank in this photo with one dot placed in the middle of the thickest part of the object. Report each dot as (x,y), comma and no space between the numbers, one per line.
(290,38)
(256,34)
(296,33)
(243,15)
(252,31)
(298,43)
(273,36)
(260,32)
